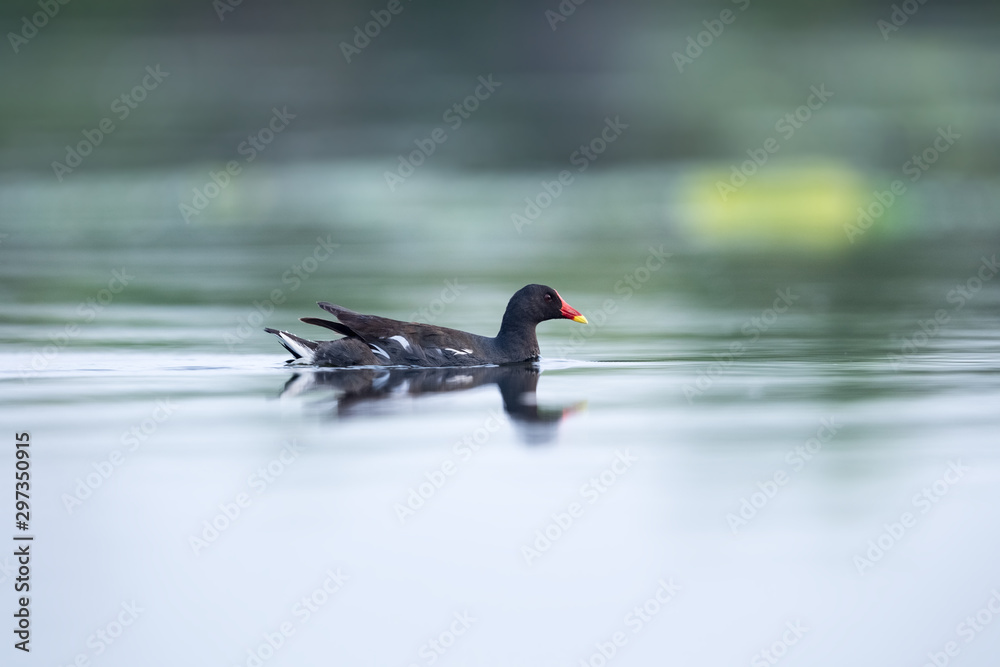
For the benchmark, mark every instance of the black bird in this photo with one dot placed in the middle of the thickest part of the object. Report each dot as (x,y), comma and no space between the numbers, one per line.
(370,340)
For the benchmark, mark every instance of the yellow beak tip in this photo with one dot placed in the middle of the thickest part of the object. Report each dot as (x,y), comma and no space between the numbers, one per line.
(581,319)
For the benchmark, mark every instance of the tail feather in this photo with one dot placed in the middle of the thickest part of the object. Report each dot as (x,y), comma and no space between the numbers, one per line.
(335,326)
(301,348)
(334,309)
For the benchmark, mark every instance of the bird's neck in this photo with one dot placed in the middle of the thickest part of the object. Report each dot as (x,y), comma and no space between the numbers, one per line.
(516,340)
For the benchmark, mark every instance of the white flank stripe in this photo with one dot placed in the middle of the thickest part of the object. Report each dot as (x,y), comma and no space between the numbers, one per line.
(377,350)
(448,349)
(402,341)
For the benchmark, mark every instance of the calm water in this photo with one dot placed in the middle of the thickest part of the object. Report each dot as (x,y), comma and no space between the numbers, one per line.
(693,479)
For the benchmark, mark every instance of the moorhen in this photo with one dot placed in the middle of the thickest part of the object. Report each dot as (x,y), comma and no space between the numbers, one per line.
(370,340)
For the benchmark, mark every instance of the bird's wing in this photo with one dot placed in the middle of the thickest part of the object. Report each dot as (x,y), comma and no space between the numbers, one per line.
(408,342)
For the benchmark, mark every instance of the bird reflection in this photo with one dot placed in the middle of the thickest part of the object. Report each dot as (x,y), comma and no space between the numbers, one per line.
(368,391)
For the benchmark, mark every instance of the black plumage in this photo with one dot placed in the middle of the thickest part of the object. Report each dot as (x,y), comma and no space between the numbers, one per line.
(370,340)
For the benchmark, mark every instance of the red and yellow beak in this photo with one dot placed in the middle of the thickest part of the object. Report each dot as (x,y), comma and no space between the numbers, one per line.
(571,313)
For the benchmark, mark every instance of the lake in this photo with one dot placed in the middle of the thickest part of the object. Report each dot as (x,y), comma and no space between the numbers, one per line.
(752,454)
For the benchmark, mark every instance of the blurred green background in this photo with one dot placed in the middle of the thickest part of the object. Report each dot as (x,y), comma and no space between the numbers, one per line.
(696,93)
(844,153)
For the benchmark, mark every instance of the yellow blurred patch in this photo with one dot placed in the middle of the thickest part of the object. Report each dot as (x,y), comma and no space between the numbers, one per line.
(807,206)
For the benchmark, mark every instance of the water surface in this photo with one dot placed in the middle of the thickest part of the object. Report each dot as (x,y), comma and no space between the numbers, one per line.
(693,443)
